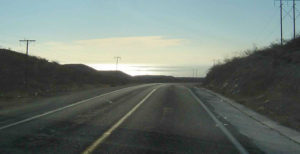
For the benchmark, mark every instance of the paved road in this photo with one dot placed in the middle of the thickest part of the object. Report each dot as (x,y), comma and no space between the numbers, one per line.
(151,118)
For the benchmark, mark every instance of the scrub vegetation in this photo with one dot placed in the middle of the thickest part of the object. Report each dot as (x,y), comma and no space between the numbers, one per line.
(266,80)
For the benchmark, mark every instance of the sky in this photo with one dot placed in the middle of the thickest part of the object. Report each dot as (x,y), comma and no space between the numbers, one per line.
(146,32)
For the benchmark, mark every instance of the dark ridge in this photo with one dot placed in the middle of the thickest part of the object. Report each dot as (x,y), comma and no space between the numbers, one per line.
(80,67)
(163,79)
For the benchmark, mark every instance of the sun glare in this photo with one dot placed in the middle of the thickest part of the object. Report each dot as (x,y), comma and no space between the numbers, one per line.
(130,69)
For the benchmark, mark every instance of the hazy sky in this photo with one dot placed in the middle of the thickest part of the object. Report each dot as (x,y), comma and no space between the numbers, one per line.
(181,32)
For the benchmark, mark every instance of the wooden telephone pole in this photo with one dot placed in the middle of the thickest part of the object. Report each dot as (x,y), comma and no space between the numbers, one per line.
(27,43)
(26,62)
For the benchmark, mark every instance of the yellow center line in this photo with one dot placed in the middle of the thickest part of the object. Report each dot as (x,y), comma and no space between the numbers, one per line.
(105,135)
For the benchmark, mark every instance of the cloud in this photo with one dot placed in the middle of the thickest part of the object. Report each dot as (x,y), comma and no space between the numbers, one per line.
(133,42)
(116,44)
(95,50)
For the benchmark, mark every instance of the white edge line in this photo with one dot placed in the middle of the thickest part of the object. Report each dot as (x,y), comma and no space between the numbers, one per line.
(59,109)
(106,134)
(232,139)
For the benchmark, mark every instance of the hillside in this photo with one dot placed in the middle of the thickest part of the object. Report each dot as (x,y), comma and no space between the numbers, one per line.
(266,80)
(46,77)
(118,76)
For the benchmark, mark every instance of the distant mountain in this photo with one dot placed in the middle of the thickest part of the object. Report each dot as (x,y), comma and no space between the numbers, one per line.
(80,67)
(162,78)
(115,73)
(119,75)
(153,78)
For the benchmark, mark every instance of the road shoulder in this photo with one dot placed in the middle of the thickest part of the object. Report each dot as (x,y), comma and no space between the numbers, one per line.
(265,133)
(76,95)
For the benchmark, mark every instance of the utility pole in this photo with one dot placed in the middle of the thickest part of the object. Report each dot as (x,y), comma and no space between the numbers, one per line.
(26,63)
(281,39)
(27,43)
(294,17)
(117,62)
(281,18)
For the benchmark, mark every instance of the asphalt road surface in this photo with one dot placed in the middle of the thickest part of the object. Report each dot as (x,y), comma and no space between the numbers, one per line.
(150,118)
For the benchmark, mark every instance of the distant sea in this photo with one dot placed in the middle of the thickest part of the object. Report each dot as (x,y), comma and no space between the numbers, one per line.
(136,69)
